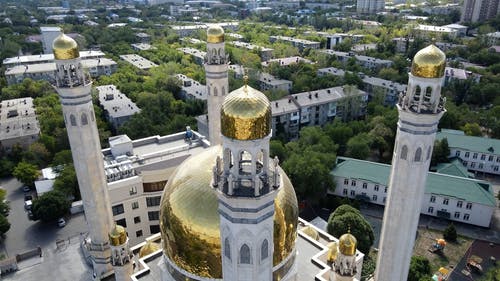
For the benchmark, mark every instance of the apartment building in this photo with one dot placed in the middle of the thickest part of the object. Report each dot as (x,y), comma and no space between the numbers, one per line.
(365,61)
(264,53)
(300,44)
(198,56)
(268,82)
(192,89)
(118,108)
(138,61)
(18,123)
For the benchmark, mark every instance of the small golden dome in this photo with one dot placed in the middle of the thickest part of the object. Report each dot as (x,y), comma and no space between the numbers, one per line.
(65,48)
(333,250)
(118,235)
(246,114)
(215,34)
(429,62)
(347,244)
(149,248)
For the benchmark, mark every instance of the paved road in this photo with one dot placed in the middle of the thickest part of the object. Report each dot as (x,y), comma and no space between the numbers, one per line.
(25,234)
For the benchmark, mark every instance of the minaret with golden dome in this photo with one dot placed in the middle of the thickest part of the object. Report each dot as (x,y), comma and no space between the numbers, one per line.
(216,71)
(121,256)
(74,86)
(247,185)
(343,258)
(420,109)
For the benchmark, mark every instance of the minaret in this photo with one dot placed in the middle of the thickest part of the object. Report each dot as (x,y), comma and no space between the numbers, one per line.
(344,265)
(247,186)
(73,86)
(216,67)
(121,256)
(420,109)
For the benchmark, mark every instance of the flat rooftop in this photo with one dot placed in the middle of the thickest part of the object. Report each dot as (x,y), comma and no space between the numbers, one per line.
(250,46)
(115,102)
(142,46)
(138,61)
(271,80)
(48,58)
(283,106)
(18,119)
(296,40)
(192,88)
(193,52)
(287,61)
(51,66)
(322,96)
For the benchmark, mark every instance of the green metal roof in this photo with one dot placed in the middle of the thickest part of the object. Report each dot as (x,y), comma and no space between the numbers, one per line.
(454,168)
(469,190)
(457,139)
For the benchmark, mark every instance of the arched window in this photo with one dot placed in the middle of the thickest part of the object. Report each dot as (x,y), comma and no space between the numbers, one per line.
(418,155)
(245,254)
(428,94)
(264,250)
(429,153)
(208,90)
(227,249)
(72,120)
(404,152)
(223,91)
(418,92)
(215,91)
(85,121)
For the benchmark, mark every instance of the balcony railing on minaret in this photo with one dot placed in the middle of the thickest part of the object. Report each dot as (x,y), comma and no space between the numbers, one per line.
(421,104)
(70,76)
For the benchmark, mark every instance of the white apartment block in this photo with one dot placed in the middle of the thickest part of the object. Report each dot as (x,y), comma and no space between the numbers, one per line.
(49,34)
(18,123)
(454,198)
(268,82)
(478,154)
(44,58)
(138,61)
(437,32)
(118,108)
(198,56)
(192,89)
(264,53)
(300,44)
(364,61)
(286,61)
(370,6)
(137,172)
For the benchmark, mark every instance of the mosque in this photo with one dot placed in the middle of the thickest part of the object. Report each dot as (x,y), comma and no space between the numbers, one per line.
(230,212)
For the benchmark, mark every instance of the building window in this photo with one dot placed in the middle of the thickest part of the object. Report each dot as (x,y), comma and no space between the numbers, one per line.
(418,155)
(344,192)
(72,119)
(429,153)
(445,201)
(154,186)
(457,215)
(365,185)
(374,198)
(480,165)
(375,187)
(385,198)
(385,189)
(353,183)
(495,168)
(483,157)
(118,209)
(466,217)
(474,156)
(137,219)
(457,153)
(468,206)
(467,154)
(135,205)
(404,152)
(465,163)
(138,233)
(133,190)
(433,199)
(85,121)
(346,182)
(430,210)
(122,222)
(153,201)
(264,250)
(154,215)
(490,158)
(227,248)
(245,254)
(473,165)
(353,193)
(154,229)
(459,204)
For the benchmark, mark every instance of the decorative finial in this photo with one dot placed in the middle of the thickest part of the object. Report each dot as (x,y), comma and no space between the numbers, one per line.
(245,80)
(433,40)
(349,228)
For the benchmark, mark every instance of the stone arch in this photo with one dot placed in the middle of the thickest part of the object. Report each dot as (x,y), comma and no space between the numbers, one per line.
(72,120)
(223,91)
(264,250)
(227,248)
(428,94)
(245,254)
(418,93)
(215,91)
(429,152)
(418,155)
(404,152)
(84,119)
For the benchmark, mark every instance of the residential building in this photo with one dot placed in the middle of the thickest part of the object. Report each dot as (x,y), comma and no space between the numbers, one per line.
(360,48)
(49,33)
(370,6)
(188,30)
(478,154)
(44,58)
(192,89)
(437,32)
(455,198)
(479,10)
(493,38)
(286,117)
(198,56)
(287,61)
(365,61)
(18,123)
(454,74)
(142,47)
(138,61)
(337,38)
(264,53)
(268,82)
(118,108)
(300,44)
(143,37)
(182,10)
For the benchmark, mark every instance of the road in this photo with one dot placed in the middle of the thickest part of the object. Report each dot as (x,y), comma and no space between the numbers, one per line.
(25,234)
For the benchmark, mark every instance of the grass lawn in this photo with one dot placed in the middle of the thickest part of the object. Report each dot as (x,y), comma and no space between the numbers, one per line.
(453,252)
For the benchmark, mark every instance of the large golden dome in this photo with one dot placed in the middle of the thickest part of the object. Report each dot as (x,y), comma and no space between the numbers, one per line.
(246,114)
(149,248)
(429,62)
(347,244)
(65,48)
(215,34)
(189,218)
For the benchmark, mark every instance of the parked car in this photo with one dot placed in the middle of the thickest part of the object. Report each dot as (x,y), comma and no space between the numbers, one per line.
(26,188)
(61,222)
(28,204)
(30,215)
(28,197)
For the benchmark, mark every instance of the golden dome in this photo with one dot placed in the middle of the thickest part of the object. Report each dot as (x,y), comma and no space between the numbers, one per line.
(65,48)
(215,34)
(149,248)
(347,244)
(429,62)
(118,235)
(189,220)
(333,250)
(246,114)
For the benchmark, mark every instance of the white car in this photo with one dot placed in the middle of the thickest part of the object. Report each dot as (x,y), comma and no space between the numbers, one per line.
(61,222)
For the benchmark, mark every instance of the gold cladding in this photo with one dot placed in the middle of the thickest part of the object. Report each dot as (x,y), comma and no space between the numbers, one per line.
(246,114)
(333,251)
(118,235)
(65,48)
(148,249)
(215,34)
(430,62)
(189,220)
(347,244)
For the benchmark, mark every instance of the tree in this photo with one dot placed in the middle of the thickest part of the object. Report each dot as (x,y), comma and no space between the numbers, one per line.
(358,146)
(4,225)
(419,268)
(441,152)
(472,129)
(450,233)
(67,183)
(26,173)
(346,218)
(51,206)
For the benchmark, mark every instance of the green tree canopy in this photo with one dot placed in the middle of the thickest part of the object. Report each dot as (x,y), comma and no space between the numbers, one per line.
(67,183)
(51,206)
(420,268)
(26,173)
(450,233)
